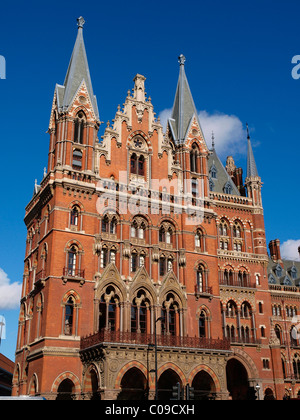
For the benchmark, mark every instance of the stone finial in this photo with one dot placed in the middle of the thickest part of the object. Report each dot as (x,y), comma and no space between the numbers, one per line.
(80,22)
(181,59)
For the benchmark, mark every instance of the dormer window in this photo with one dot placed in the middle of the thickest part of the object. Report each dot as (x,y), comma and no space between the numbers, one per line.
(293,273)
(228,188)
(213,172)
(278,270)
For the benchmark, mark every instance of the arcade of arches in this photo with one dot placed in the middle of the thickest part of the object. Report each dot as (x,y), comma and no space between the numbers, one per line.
(137,383)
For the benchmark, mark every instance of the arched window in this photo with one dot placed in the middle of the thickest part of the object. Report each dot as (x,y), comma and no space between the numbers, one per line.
(228,188)
(199,240)
(245,310)
(69,316)
(213,172)
(202,324)
(237,230)
(141,231)
(194,158)
(75,216)
(113,226)
(109,311)
(72,261)
(200,279)
(79,127)
(112,314)
(223,228)
(170,313)
(105,224)
(133,164)
(166,234)
(141,164)
(140,314)
(231,309)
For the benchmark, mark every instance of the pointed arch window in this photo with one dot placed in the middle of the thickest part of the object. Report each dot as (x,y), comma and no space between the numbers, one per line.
(72,261)
(213,172)
(105,224)
(133,164)
(202,325)
(141,166)
(75,216)
(69,317)
(140,314)
(112,315)
(79,128)
(200,279)
(171,316)
(228,188)
(194,153)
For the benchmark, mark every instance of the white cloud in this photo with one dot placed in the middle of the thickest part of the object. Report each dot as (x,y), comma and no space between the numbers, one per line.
(289,250)
(230,136)
(10,293)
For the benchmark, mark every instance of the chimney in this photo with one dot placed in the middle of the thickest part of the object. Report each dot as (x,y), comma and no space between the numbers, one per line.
(274,247)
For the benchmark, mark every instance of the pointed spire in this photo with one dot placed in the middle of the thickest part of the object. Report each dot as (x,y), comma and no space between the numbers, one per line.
(184,108)
(78,71)
(251,165)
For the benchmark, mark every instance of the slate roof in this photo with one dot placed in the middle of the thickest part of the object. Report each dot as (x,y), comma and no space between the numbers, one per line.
(285,277)
(78,71)
(184,109)
(222,175)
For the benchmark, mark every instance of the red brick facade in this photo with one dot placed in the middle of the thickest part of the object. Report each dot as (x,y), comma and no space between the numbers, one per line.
(128,229)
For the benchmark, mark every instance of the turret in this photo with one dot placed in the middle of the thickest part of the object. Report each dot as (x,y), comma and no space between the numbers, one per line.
(74,121)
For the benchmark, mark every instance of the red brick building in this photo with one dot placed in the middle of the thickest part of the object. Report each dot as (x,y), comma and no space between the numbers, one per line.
(146,231)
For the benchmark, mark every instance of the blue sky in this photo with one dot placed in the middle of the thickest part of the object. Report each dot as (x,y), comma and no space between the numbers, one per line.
(238,65)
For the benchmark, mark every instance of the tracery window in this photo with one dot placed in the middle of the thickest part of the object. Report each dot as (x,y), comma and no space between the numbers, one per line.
(171,317)
(166,233)
(109,313)
(223,228)
(228,188)
(140,313)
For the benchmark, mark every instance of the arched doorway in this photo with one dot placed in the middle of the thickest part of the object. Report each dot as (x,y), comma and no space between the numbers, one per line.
(167,380)
(237,380)
(204,386)
(66,390)
(133,385)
